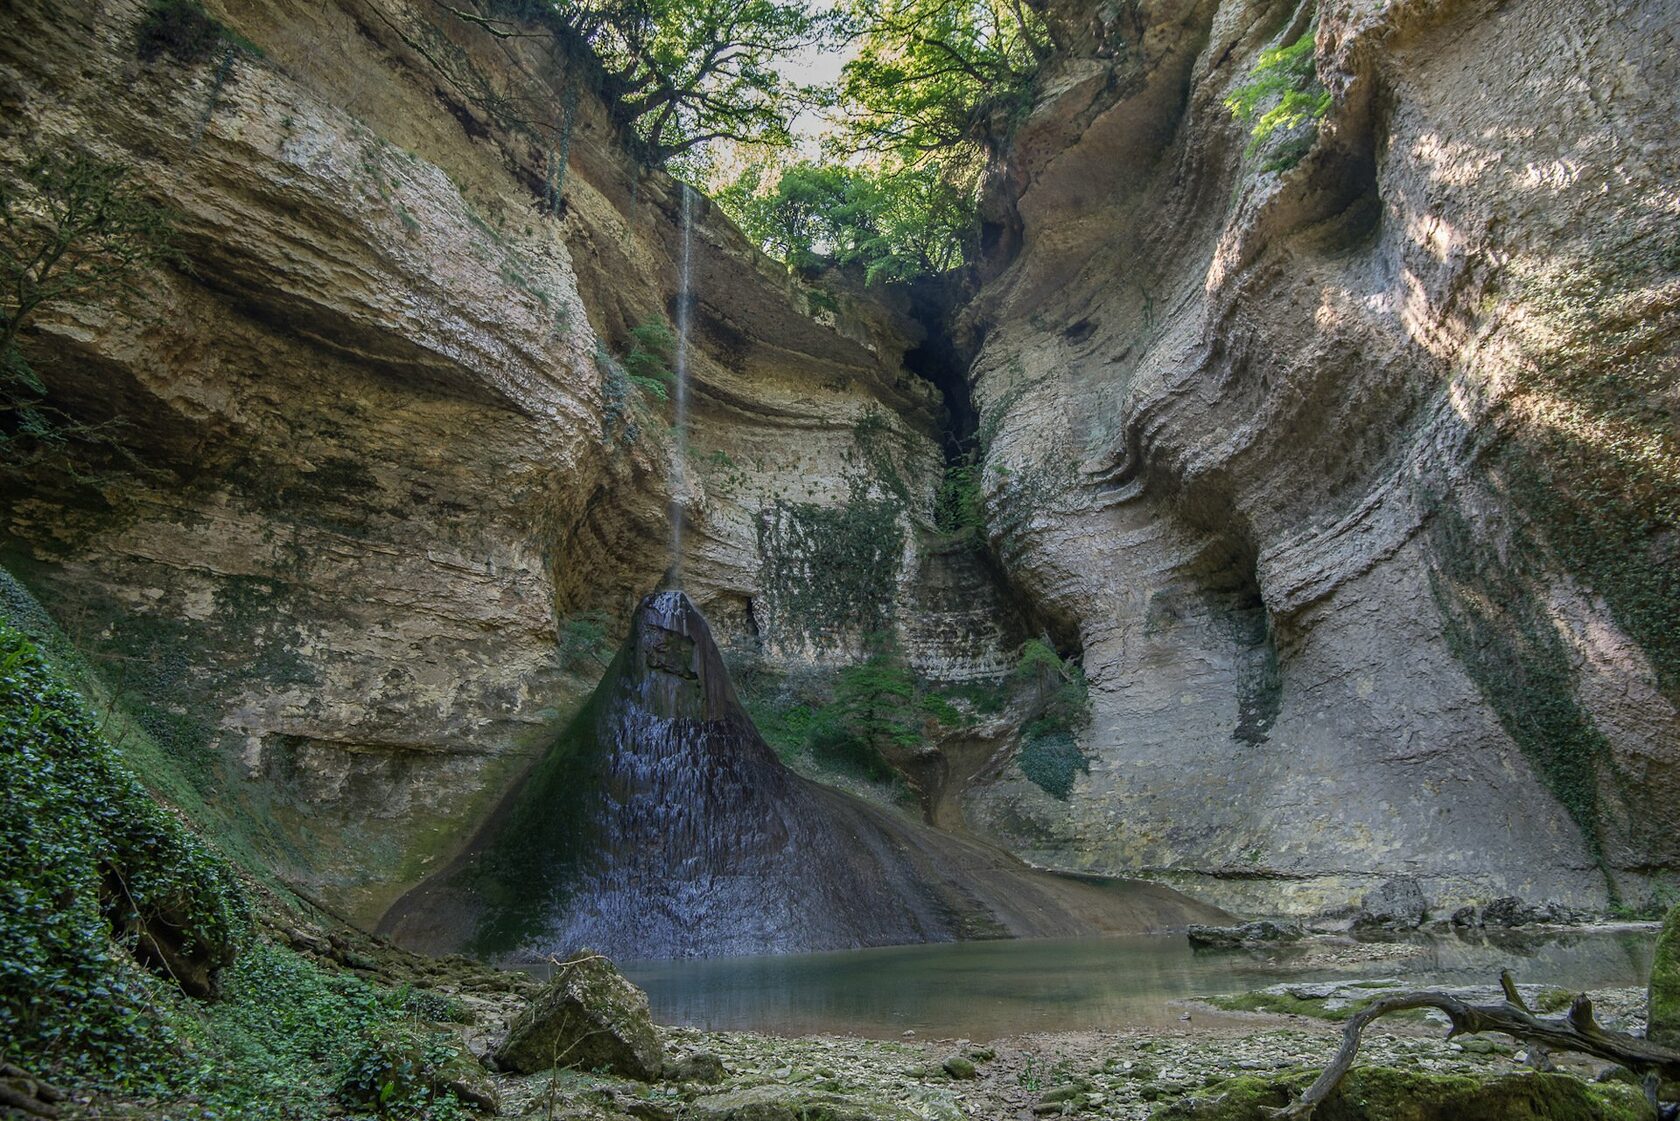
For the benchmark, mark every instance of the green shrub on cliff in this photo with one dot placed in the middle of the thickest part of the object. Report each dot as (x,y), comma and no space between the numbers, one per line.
(875,713)
(1283,93)
(73,227)
(1059,700)
(95,879)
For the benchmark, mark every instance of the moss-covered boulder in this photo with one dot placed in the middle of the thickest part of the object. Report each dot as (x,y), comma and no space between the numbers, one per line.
(793,1103)
(401,1068)
(587,1016)
(1385,1094)
(1664,1015)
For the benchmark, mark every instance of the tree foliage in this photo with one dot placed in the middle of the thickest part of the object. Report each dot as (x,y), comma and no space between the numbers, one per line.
(894,226)
(879,712)
(935,87)
(72,227)
(945,78)
(684,73)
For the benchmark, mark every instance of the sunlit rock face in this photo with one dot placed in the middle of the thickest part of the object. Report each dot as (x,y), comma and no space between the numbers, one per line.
(1349,448)
(661,825)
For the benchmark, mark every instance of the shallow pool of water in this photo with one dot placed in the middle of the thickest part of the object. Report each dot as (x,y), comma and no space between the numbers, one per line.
(983,990)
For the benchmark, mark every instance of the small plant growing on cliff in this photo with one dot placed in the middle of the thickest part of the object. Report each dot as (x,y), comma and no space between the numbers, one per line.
(72,227)
(959,506)
(1059,701)
(1282,95)
(652,350)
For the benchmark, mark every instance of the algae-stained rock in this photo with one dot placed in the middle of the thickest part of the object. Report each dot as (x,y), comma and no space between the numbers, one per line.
(1245,936)
(960,1067)
(699,1066)
(793,1103)
(588,1016)
(1664,1012)
(1398,903)
(1385,1094)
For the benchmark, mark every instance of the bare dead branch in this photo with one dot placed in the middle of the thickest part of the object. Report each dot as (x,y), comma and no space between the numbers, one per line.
(1576,1031)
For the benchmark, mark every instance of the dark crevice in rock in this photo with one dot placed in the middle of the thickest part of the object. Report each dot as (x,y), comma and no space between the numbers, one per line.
(939,360)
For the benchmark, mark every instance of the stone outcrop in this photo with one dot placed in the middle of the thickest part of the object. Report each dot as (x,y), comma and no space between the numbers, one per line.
(1246,936)
(1347,449)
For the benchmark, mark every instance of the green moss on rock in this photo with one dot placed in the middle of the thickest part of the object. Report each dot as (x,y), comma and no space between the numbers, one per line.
(1664,1013)
(1386,1094)
(587,1017)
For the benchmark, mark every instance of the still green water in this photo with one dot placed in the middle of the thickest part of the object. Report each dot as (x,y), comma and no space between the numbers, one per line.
(983,990)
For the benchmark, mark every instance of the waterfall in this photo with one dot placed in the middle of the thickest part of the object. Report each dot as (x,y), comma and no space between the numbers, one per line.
(679,469)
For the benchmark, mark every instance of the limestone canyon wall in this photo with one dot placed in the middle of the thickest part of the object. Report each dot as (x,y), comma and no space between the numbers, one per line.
(384,456)
(1351,447)
(1344,453)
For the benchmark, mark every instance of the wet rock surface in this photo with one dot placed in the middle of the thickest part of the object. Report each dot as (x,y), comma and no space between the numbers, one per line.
(663,826)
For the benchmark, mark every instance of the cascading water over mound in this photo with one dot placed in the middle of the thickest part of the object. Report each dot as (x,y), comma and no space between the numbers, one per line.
(662,825)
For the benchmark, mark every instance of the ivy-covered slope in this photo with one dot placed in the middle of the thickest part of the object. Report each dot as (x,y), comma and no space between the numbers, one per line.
(100,882)
(133,970)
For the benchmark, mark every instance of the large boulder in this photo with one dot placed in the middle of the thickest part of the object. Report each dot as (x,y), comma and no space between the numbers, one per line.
(1664,1013)
(1397,905)
(404,1068)
(587,1016)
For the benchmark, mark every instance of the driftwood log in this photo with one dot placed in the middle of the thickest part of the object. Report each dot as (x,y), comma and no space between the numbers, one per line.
(1575,1030)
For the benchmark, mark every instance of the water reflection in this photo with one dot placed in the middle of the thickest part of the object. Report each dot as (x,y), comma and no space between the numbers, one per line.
(981,990)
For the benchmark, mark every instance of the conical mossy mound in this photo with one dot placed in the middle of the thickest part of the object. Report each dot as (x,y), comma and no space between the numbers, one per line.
(661,825)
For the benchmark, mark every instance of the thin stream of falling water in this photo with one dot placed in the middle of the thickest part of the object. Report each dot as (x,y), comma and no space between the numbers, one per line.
(679,470)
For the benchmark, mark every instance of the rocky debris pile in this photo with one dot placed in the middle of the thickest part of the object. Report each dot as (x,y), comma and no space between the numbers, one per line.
(697,1066)
(1247,936)
(794,1103)
(1511,911)
(590,1017)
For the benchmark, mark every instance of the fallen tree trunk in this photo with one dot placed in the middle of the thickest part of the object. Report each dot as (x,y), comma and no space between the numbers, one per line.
(1575,1030)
